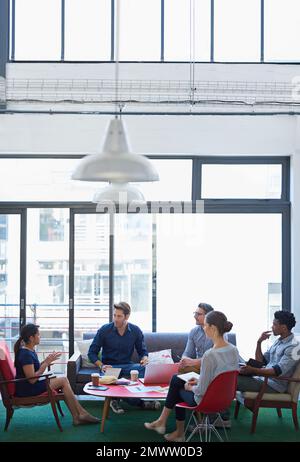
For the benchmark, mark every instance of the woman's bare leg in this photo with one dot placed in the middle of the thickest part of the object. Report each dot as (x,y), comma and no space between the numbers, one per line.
(162,419)
(77,411)
(179,432)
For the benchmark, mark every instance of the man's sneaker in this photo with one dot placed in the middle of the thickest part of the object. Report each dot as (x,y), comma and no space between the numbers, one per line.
(154,405)
(115,406)
(221,423)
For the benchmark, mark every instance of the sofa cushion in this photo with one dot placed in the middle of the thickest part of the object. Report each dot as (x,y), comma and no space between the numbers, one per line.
(266,396)
(156,341)
(83,347)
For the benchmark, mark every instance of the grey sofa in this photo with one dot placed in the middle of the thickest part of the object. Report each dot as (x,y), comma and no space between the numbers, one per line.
(155,341)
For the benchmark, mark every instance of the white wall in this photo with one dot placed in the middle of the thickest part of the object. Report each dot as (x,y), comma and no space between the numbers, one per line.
(155,71)
(200,135)
(295,226)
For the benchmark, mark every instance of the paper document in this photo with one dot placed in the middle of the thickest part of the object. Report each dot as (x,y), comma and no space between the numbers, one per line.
(143,389)
(126,382)
(188,376)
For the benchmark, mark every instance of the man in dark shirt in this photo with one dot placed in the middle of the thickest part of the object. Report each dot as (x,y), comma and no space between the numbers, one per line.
(117,341)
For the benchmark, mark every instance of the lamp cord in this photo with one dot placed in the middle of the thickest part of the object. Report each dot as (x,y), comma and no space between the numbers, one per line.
(192,53)
(117,48)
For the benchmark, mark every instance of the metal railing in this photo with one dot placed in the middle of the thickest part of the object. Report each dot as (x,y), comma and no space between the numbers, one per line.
(204,93)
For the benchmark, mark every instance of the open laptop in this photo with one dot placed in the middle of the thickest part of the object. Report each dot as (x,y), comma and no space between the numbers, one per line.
(156,373)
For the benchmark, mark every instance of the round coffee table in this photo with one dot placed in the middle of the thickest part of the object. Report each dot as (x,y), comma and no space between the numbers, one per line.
(120,391)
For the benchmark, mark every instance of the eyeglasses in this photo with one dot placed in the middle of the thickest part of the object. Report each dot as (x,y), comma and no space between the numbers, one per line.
(196,313)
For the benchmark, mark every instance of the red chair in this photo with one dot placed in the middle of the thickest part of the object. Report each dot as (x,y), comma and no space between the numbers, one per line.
(217,398)
(8,389)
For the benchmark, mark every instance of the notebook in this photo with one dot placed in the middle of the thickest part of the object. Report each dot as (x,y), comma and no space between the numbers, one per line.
(114,371)
(156,373)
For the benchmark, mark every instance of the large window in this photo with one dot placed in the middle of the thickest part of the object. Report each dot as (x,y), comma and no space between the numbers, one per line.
(241,181)
(155,30)
(44,180)
(133,266)
(87,30)
(227,260)
(139,30)
(186,32)
(91,272)
(282,22)
(37,30)
(237,30)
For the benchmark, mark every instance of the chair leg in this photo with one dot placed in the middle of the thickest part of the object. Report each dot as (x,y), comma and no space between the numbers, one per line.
(254,419)
(295,418)
(279,412)
(56,415)
(9,414)
(237,408)
(60,409)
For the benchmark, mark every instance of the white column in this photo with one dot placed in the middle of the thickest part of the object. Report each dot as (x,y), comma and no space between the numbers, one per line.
(295,228)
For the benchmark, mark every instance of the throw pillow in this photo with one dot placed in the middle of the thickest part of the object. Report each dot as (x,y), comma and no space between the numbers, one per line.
(161,357)
(83,347)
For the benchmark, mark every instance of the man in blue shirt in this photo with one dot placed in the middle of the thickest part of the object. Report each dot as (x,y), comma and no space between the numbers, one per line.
(117,341)
(279,359)
(197,343)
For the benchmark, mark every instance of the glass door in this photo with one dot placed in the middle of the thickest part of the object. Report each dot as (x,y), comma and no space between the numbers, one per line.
(89,288)
(47,280)
(11,295)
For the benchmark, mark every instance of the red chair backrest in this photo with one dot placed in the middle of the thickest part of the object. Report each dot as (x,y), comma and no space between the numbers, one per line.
(220,393)
(7,368)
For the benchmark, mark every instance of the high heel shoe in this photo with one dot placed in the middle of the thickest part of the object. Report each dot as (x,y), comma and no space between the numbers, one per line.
(158,429)
(179,439)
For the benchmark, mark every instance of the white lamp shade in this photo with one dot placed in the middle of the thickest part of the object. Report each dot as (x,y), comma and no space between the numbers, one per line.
(115,164)
(119,193)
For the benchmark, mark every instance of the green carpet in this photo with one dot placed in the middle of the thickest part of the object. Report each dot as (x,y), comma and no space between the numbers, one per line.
(38,425)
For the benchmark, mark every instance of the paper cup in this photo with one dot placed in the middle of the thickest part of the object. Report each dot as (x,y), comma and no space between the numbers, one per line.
(134,375)
(95,379)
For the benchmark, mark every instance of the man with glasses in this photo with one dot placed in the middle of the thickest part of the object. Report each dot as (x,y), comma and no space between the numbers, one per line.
(197,343)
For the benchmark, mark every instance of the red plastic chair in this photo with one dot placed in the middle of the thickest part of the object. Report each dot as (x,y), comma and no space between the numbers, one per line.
(8,389)
(217,398)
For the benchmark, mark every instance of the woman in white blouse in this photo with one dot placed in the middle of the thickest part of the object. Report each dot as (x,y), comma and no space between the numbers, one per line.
(222,357)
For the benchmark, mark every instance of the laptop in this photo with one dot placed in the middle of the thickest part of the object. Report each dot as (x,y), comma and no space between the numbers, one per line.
(156,373)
